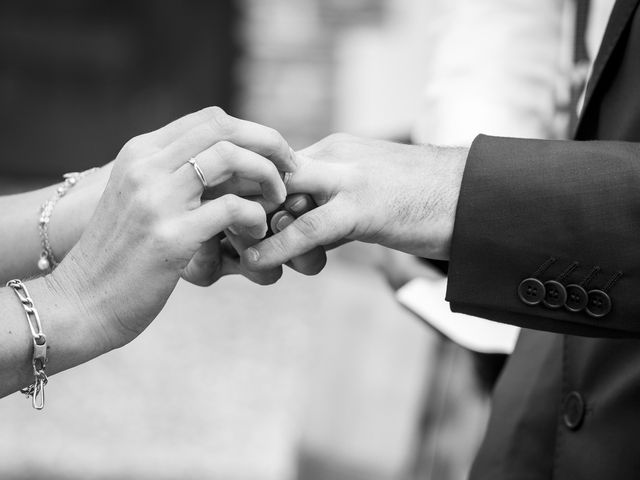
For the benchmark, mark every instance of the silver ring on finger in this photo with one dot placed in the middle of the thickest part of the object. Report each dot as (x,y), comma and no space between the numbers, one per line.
(199,172)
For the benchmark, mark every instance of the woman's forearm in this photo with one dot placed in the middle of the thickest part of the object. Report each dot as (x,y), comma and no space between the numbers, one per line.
(71,335)
(20,244)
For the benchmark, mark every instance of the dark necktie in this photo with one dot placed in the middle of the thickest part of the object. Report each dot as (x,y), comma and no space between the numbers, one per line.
(581,61)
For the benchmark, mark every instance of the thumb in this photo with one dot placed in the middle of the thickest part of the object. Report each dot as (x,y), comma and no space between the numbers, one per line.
(321,226)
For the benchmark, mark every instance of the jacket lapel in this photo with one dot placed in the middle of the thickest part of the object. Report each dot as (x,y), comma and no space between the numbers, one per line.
(621,14)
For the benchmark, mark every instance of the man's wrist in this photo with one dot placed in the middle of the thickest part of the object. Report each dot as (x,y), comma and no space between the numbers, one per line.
(442,173)
(456,157)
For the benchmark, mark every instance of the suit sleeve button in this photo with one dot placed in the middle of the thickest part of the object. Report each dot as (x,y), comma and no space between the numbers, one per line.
(573,410)
(577,298)
(555,294)
(531,291)
(599,303)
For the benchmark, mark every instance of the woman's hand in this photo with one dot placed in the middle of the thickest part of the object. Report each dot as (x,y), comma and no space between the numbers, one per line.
(220,256)
(151,221)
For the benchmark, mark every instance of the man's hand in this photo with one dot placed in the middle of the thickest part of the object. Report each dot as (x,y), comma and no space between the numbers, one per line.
(219,256)
(400,196)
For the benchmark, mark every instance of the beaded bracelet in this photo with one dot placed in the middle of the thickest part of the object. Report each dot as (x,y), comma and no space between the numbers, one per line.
(47,261)
(39,356)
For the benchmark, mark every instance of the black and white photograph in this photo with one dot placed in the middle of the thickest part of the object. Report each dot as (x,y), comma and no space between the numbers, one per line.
(320,240)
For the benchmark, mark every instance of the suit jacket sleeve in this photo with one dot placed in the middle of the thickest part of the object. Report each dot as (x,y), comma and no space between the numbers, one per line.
(523,202)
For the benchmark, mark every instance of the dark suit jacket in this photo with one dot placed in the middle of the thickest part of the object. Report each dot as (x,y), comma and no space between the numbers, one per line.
(567,405)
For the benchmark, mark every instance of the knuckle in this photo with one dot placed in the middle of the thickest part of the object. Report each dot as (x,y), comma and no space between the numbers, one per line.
(339,138)
(243,211)
(164,236)
(230,204)
(137,177)
(224,149)
(337,142)
(216,110)
(260,213)
(309,225)
(278,244)
(207,112)
(220,121)
(134,146)
(145,201)
(270,170)
(275,141)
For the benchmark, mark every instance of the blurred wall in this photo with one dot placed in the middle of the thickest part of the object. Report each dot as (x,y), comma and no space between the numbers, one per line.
(236,381)
(289,71)
(78,79)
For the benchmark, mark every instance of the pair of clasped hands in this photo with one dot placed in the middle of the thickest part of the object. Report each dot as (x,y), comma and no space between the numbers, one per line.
(156,222)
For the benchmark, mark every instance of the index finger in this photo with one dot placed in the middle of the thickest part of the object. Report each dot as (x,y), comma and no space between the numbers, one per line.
(220,126)
(170,132)
(313,176)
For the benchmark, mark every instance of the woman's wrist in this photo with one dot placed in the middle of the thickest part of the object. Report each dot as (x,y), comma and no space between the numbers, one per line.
(69,320)
(71,337)
(87,302)
(74,210)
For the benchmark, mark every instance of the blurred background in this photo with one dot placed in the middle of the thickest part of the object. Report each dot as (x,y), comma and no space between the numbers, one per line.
(313,378)
(236,381)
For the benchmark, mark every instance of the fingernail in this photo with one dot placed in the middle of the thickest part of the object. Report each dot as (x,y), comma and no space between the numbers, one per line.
(275,219)
(233,230)
(284,221)
(258,232)
(253,255)
(297,206)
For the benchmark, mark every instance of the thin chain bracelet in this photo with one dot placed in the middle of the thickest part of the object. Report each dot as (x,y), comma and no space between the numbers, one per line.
(47,260)
(39,357)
